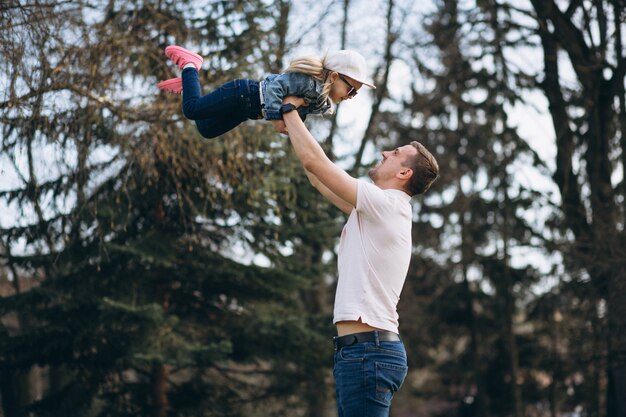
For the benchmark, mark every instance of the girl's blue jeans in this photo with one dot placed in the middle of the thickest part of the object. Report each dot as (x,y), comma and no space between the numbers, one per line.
(366,377)
(224,108)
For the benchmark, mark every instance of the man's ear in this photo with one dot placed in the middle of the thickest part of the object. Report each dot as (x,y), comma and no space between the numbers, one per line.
(333,76)
(405,174)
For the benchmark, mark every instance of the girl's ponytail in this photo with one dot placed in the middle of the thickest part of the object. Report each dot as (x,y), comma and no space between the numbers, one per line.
(314,66)
(311,65)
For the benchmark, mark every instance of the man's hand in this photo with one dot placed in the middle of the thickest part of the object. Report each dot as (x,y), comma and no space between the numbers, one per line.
(279,126)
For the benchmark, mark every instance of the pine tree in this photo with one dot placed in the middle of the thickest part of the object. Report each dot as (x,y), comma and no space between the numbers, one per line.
(139,236)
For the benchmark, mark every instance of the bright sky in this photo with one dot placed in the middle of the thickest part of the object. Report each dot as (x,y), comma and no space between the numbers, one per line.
(366,34)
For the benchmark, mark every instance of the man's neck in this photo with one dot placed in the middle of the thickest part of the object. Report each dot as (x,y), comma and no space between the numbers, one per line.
(391,185)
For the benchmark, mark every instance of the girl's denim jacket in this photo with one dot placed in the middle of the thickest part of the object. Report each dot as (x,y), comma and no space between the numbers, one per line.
(277,86)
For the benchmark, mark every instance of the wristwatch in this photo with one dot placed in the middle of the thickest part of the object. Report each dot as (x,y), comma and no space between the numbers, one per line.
(286,108)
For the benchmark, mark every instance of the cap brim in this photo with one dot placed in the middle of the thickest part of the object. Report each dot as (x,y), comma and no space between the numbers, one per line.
(366,83)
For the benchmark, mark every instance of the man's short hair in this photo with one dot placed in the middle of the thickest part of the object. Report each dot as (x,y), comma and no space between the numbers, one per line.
(425,170)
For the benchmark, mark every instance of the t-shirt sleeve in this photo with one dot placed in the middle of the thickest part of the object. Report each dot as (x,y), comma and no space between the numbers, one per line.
(372,201)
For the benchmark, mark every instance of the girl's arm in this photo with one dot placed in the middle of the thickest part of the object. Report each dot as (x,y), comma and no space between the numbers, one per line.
(281,86)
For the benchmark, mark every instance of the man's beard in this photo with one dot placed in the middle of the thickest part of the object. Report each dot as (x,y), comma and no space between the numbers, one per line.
(373,173)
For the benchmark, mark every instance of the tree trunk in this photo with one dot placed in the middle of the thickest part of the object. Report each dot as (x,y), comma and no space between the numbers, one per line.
(509,312)
(616,393)
(159,376)
(344,40)
(380,92)
(282,26)
(8,394)
(313,301)
(599,241)
(480,408)
(555,321)
(616,399)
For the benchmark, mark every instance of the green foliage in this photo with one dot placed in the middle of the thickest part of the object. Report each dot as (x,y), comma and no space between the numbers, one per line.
(144,236)
(147,271)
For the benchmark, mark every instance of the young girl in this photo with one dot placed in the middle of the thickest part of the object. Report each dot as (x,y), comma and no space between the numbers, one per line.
(319,81)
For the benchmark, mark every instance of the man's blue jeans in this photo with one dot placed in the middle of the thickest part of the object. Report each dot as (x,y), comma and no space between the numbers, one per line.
(367,375)
(222,109)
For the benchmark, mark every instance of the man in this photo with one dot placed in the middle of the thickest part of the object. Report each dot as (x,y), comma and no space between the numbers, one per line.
(373,261)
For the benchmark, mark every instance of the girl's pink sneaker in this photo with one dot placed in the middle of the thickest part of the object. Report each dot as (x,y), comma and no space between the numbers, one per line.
(173,85)
(181,57)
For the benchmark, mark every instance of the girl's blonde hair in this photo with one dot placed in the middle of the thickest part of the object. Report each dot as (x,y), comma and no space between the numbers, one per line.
(314,66)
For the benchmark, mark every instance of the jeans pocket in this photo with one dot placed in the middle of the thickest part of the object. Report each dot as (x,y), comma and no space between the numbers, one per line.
(352,353)
(389,379)
(230,85)
(382,351)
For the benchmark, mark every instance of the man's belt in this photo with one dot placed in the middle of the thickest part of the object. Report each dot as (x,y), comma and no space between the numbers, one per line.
(354,338)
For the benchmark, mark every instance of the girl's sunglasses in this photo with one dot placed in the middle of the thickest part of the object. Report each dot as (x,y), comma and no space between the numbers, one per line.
(352,92)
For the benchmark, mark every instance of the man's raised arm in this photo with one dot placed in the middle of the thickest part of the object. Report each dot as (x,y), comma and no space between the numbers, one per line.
(315,161)
(329,195)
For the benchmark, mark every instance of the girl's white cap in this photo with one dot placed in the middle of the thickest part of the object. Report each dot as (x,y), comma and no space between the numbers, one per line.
(349,63)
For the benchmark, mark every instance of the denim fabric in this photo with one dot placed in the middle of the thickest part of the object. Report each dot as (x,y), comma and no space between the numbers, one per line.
(277,86)
(224,108)
(367,375)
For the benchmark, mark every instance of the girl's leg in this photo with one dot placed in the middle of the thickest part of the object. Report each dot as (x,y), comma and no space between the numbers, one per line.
(217,112)
(215,126)
(222,101)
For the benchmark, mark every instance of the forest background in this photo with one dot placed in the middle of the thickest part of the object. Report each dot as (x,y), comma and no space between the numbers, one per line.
(145,271)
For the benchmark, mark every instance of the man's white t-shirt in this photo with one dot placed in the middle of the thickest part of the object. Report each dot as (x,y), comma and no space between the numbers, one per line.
(374,256)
